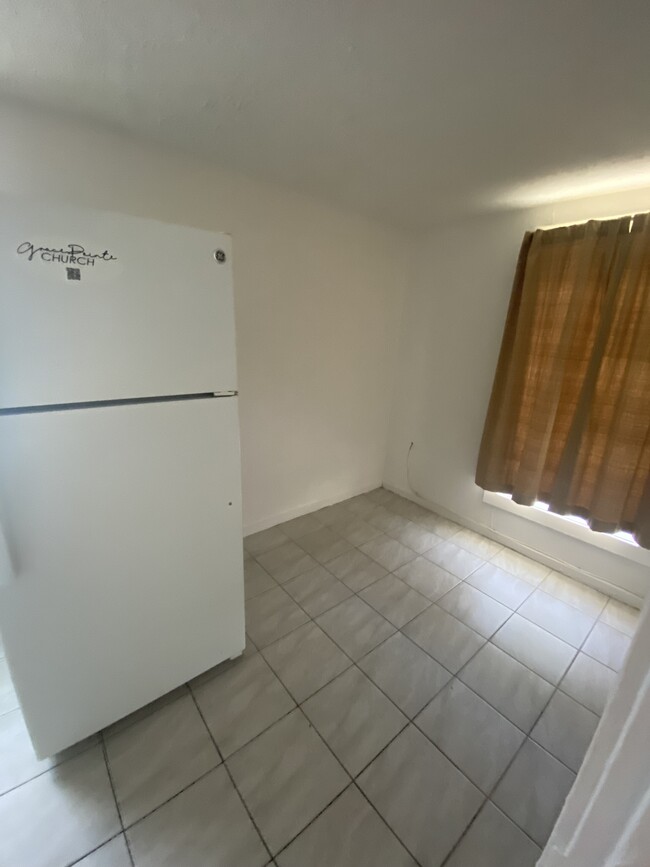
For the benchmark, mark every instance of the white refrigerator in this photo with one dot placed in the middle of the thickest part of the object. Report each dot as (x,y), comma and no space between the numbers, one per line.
(121,573)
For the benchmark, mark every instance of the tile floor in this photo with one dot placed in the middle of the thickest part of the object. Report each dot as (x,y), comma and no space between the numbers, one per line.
(411,693)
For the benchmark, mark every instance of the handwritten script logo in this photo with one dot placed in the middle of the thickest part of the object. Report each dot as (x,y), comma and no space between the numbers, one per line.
(73,254)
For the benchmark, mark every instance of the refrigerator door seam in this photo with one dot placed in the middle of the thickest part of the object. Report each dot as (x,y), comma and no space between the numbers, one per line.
(125,401)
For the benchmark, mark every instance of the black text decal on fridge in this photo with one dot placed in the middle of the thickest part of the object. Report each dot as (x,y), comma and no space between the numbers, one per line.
(71,255)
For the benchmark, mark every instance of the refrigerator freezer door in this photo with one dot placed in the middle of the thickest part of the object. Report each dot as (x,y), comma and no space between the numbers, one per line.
(124,527)
(134,308)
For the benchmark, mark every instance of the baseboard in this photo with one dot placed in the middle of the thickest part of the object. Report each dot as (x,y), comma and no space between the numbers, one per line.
(585,577)
(306,508)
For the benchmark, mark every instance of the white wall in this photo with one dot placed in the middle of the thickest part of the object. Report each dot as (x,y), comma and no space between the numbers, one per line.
(318,297)
(451,333)
(318,302)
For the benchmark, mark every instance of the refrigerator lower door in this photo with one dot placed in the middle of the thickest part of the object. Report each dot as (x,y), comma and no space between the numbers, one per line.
(123,557)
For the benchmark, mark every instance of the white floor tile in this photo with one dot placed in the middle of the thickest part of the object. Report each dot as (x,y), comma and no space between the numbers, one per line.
(59,817)
(540,651)
(206,824)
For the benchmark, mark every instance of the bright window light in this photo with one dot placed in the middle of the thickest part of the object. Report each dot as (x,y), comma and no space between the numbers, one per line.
(574,519)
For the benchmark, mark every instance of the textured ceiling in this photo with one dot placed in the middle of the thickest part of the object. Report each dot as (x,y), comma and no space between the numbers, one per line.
(405,110)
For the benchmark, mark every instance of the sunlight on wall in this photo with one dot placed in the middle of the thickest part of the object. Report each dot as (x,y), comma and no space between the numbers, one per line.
(604,178)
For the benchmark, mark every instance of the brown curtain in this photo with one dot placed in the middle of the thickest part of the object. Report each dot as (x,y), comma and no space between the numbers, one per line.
(569,416)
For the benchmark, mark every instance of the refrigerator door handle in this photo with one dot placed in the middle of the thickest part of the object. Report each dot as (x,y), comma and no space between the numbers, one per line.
(7,570)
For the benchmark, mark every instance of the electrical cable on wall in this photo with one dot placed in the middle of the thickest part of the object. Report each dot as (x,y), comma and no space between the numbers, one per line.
(408,474)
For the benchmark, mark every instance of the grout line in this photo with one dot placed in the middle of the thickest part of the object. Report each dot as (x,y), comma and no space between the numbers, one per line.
(582,650)
(300,702)
(503,774)
(260,648)
(526,734)
(408,588)
(469,825)
(97,848)
(474,818)
(52,767)
(408,723)
(354,663)
(362,517)
(117,804)
(376,811)
(409,719)
(311,821)
(528,738)
(534,588)
(260,733)
(556,686)
(486,639)
(345,771)
(357,516)
(352,782)
(230,776)
(357,593)
(416,523)
(173,797)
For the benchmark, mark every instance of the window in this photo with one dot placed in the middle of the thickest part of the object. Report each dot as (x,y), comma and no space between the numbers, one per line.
(568,422)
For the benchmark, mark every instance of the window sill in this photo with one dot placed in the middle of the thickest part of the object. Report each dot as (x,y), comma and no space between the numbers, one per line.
(573,527)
